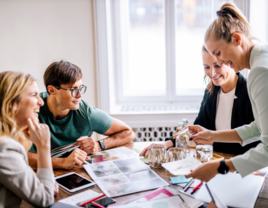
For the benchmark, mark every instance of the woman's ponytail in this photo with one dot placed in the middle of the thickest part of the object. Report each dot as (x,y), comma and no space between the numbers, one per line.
(230,19)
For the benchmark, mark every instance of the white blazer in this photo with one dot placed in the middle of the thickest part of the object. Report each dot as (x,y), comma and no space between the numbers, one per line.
(19,182)
(256,158)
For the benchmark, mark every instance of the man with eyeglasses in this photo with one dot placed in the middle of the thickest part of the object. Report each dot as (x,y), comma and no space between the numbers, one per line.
(71,119)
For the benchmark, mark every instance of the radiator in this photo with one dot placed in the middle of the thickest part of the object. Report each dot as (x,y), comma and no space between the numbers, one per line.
(150,134)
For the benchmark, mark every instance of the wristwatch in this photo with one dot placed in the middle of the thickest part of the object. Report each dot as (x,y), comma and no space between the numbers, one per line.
(102,145)
(223,168)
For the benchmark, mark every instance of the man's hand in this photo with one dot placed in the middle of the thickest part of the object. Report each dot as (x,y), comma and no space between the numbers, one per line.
(75,159)
(88,144)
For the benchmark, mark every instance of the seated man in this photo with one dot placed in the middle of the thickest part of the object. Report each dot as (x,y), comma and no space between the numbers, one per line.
(71,119)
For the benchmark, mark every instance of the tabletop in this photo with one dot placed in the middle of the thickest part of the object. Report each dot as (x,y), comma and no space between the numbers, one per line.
(262,200)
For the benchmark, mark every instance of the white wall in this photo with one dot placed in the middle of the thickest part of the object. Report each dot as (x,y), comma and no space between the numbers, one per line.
(34,33)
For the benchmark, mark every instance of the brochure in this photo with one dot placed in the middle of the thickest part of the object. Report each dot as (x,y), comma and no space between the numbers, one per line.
(121,177)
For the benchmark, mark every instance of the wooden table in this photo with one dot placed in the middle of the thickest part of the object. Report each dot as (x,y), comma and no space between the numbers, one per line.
(262,200)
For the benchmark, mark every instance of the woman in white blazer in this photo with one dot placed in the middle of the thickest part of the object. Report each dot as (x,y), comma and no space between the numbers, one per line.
(228,39)
(19,107)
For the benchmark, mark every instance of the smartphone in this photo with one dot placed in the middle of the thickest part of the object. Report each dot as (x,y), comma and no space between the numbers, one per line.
(104,201)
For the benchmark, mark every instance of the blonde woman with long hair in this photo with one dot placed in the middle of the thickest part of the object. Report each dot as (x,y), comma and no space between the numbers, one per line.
(228,39)
(19,127)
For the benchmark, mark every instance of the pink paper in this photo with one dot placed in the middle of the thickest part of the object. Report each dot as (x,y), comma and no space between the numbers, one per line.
(156,193)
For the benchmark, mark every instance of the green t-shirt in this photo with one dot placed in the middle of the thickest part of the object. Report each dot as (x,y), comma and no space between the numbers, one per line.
(81,122)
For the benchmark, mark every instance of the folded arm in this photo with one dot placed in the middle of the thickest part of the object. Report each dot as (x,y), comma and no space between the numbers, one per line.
(118,134)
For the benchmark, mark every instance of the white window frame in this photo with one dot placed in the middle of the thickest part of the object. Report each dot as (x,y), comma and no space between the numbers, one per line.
(170,57)
(107,61)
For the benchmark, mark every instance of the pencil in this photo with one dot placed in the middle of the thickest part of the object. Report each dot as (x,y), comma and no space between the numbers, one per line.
(186,205)
(188,183)
(188,186)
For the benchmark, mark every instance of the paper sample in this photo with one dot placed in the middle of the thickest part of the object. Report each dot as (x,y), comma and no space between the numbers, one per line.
(182,167)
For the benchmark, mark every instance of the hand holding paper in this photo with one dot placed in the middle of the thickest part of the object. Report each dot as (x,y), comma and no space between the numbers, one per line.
(205,172)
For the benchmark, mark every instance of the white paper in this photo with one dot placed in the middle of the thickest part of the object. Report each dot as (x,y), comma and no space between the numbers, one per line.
(233,190)
(182,167)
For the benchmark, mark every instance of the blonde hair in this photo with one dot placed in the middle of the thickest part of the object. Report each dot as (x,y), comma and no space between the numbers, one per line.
(230,19)
(210,85)
(12,84)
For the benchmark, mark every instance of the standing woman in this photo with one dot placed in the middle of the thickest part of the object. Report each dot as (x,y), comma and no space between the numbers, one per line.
(19,107)
(228,39)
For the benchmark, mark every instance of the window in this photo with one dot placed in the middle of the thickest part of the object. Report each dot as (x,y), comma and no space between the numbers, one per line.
(150,52)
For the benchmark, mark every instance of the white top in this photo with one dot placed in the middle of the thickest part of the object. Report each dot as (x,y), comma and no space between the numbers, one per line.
(224,108)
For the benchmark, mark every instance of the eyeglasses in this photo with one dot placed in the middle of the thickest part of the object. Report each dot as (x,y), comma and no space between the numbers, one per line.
(75,92)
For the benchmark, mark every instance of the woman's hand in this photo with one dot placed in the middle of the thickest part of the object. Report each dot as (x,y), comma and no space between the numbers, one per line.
(201,135)
(39,134)
(205,172)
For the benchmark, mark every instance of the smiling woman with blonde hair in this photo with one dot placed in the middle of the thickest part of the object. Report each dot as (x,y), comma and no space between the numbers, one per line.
(229,40)
(19,107)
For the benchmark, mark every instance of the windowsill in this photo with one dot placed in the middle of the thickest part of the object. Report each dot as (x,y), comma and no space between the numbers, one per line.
(150,109)
(154,118)
(153,113)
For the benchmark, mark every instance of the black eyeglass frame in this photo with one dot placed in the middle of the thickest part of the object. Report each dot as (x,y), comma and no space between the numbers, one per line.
(79,90)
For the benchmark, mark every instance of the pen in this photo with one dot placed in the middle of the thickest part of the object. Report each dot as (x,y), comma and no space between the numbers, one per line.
(188,186)
(88,201)
(186,205)
(97,205)
(197,187)
(188,183)
(210,195)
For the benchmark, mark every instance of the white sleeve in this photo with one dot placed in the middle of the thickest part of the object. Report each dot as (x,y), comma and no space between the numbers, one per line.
(249,133)
(256,158)
(17,176)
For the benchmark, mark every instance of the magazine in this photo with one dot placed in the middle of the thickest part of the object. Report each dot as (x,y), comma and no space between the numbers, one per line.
(120,177)
(64,151)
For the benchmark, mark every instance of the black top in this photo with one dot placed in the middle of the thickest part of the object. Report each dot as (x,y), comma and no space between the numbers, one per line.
(241,115)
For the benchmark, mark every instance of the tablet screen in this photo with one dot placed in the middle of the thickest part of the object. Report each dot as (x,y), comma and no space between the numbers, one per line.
(72,181)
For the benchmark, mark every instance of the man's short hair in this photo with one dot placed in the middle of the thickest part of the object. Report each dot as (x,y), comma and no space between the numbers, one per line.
(62,72)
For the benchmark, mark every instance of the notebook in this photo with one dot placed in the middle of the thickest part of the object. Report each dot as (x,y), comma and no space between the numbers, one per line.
(233,190)
(81,197)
